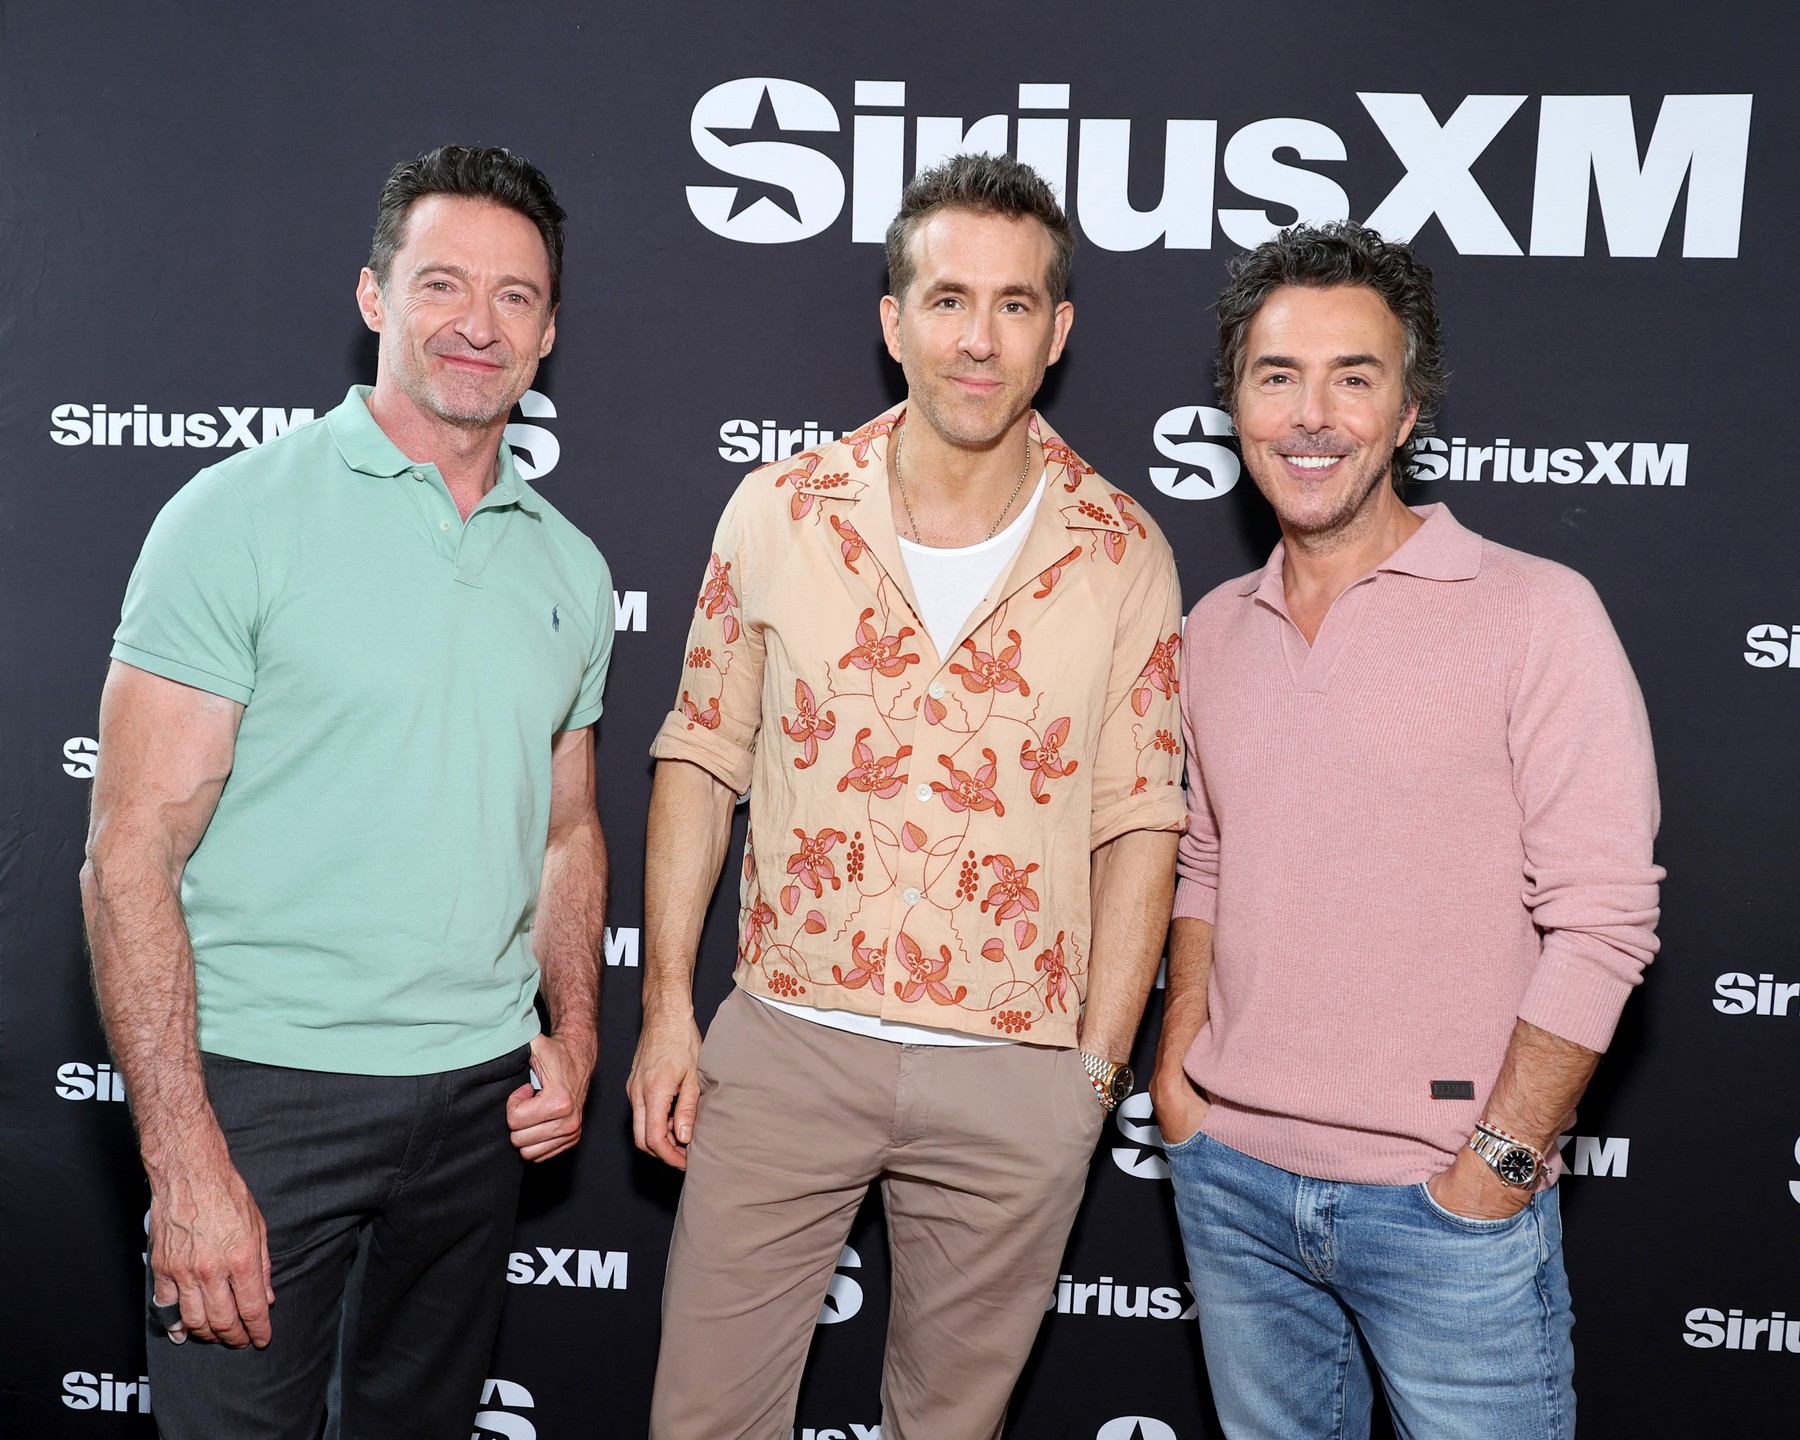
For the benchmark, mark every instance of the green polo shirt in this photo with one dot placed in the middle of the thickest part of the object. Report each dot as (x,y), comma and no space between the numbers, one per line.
(362,901)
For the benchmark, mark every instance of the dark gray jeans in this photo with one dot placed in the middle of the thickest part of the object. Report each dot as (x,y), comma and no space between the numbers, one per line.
(389,1202)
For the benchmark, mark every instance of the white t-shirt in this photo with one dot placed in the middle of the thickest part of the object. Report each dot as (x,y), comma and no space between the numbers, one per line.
(949,584)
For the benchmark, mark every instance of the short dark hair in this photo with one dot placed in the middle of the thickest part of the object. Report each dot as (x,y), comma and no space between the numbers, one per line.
(1321,257)
(474,172)
(987,185)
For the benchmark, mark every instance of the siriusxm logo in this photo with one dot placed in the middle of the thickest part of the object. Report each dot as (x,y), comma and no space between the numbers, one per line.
(1709,1329)
(1772,646)
(83,1390)
(594,1269)
(845,1297)
(1736,993)
(503,1424)
(535,449)
(231,426)
(1129,1302)
(622,947)
(1135,1427)
(763,442)
(827,1432)
(81,753)
(1794,1185)
(1596,1155)
(1141,1156)
(1622,462)
(791,181)
(76,1081)
(1193,437)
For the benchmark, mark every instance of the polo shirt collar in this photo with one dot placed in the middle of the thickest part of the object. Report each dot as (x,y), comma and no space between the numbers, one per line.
(365,448)
(1440,549)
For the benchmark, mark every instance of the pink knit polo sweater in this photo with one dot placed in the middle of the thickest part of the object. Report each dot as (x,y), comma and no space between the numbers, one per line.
(1432,822)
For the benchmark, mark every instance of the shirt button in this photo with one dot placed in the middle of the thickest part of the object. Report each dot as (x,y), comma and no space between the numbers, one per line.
(911,896)
(443,524)
(923,793)
(418,474)
(936,692)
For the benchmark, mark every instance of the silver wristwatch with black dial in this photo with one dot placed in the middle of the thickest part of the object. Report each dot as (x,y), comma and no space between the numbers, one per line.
(1112,1081)
(1517,1164)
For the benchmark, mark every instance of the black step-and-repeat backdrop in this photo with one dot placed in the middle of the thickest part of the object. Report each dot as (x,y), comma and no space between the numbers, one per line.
(1607,194)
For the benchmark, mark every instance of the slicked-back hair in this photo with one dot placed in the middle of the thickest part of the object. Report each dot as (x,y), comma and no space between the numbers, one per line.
(473,172)
(1321,257)
(985,185)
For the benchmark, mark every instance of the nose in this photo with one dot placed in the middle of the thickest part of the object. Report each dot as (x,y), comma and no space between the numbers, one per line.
(1313,407)
(979,340)
(476,323)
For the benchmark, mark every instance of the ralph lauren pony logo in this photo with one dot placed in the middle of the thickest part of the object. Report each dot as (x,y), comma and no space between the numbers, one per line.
(555,619)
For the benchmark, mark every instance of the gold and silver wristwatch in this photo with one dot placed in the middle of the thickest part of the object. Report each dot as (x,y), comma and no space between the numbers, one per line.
(1112,1081)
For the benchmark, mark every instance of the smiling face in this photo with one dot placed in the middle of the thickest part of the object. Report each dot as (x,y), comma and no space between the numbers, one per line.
(1322,405)
(975,330)
(466,315)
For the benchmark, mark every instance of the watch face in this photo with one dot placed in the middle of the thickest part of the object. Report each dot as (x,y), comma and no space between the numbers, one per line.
(1122,1082)
(1516,1166)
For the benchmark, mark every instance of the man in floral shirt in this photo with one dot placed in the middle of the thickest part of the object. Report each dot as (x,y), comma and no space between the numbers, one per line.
(940,655)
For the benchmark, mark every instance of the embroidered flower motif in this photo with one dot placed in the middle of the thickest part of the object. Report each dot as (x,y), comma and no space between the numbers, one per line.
(1093,512)
(865,968)
(811,866)
(1159,674)
(803,499)
(970,791)
(1047,579)
(1044,760)
(699,658)
(1122,503)
(1056,975)
(1166,742)
(880,653)
(862,440)
(784,984)
(1057,453)
(925,977)
(1011,895)
(707,717)
(853,546)
(1010,1022)
(809,726)
(872,774)
(993,672)
(718,598)
(758,925)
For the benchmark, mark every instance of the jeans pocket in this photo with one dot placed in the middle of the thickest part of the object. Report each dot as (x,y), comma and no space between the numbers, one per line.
(1472,1223)
(1182,1147)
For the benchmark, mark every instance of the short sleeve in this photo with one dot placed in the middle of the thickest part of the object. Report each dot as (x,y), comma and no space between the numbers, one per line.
(718,708)
(587,707)
(192,605)
(1137,763)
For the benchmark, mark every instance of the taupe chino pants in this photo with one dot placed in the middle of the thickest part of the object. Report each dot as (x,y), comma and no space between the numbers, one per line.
(982,1154)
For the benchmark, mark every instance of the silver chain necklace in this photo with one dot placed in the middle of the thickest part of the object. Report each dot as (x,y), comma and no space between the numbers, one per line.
(900,447)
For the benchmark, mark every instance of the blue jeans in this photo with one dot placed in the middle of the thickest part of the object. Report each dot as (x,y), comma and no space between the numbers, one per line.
(1305,1286)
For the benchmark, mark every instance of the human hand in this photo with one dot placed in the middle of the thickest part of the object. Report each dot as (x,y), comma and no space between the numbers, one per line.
(547,1122)
(664,1086)
(1180,1107)
(209,1254)
(1471,1189)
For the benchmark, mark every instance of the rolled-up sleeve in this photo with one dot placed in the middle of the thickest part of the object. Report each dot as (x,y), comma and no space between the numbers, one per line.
(718,708)
(1585,777)
(1137,764)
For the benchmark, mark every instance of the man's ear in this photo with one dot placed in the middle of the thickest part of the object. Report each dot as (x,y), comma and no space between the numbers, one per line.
(369,300)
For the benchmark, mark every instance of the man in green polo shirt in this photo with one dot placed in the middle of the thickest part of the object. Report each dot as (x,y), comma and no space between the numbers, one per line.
(344,833)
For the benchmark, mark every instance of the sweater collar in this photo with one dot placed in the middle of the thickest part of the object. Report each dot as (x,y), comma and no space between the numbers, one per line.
(1440,549)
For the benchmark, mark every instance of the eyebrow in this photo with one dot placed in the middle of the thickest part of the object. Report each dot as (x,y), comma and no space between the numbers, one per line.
(956,287)
(1342,362)
(521,281)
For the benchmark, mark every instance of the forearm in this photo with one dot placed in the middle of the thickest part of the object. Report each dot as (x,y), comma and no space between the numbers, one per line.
(143,972)
(686,840)
(1541,1080)
(1132,887)
(569,933)
(1184,995)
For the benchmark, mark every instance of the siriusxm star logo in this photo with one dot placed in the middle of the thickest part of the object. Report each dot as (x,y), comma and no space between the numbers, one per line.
(1135,1427)
(845,1297)
(1204,469)
(495,1424)
(535,449)
(1142,1154)
(783,192)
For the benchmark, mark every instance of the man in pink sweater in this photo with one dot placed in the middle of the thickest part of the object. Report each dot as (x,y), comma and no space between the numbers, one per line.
(1416,889)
